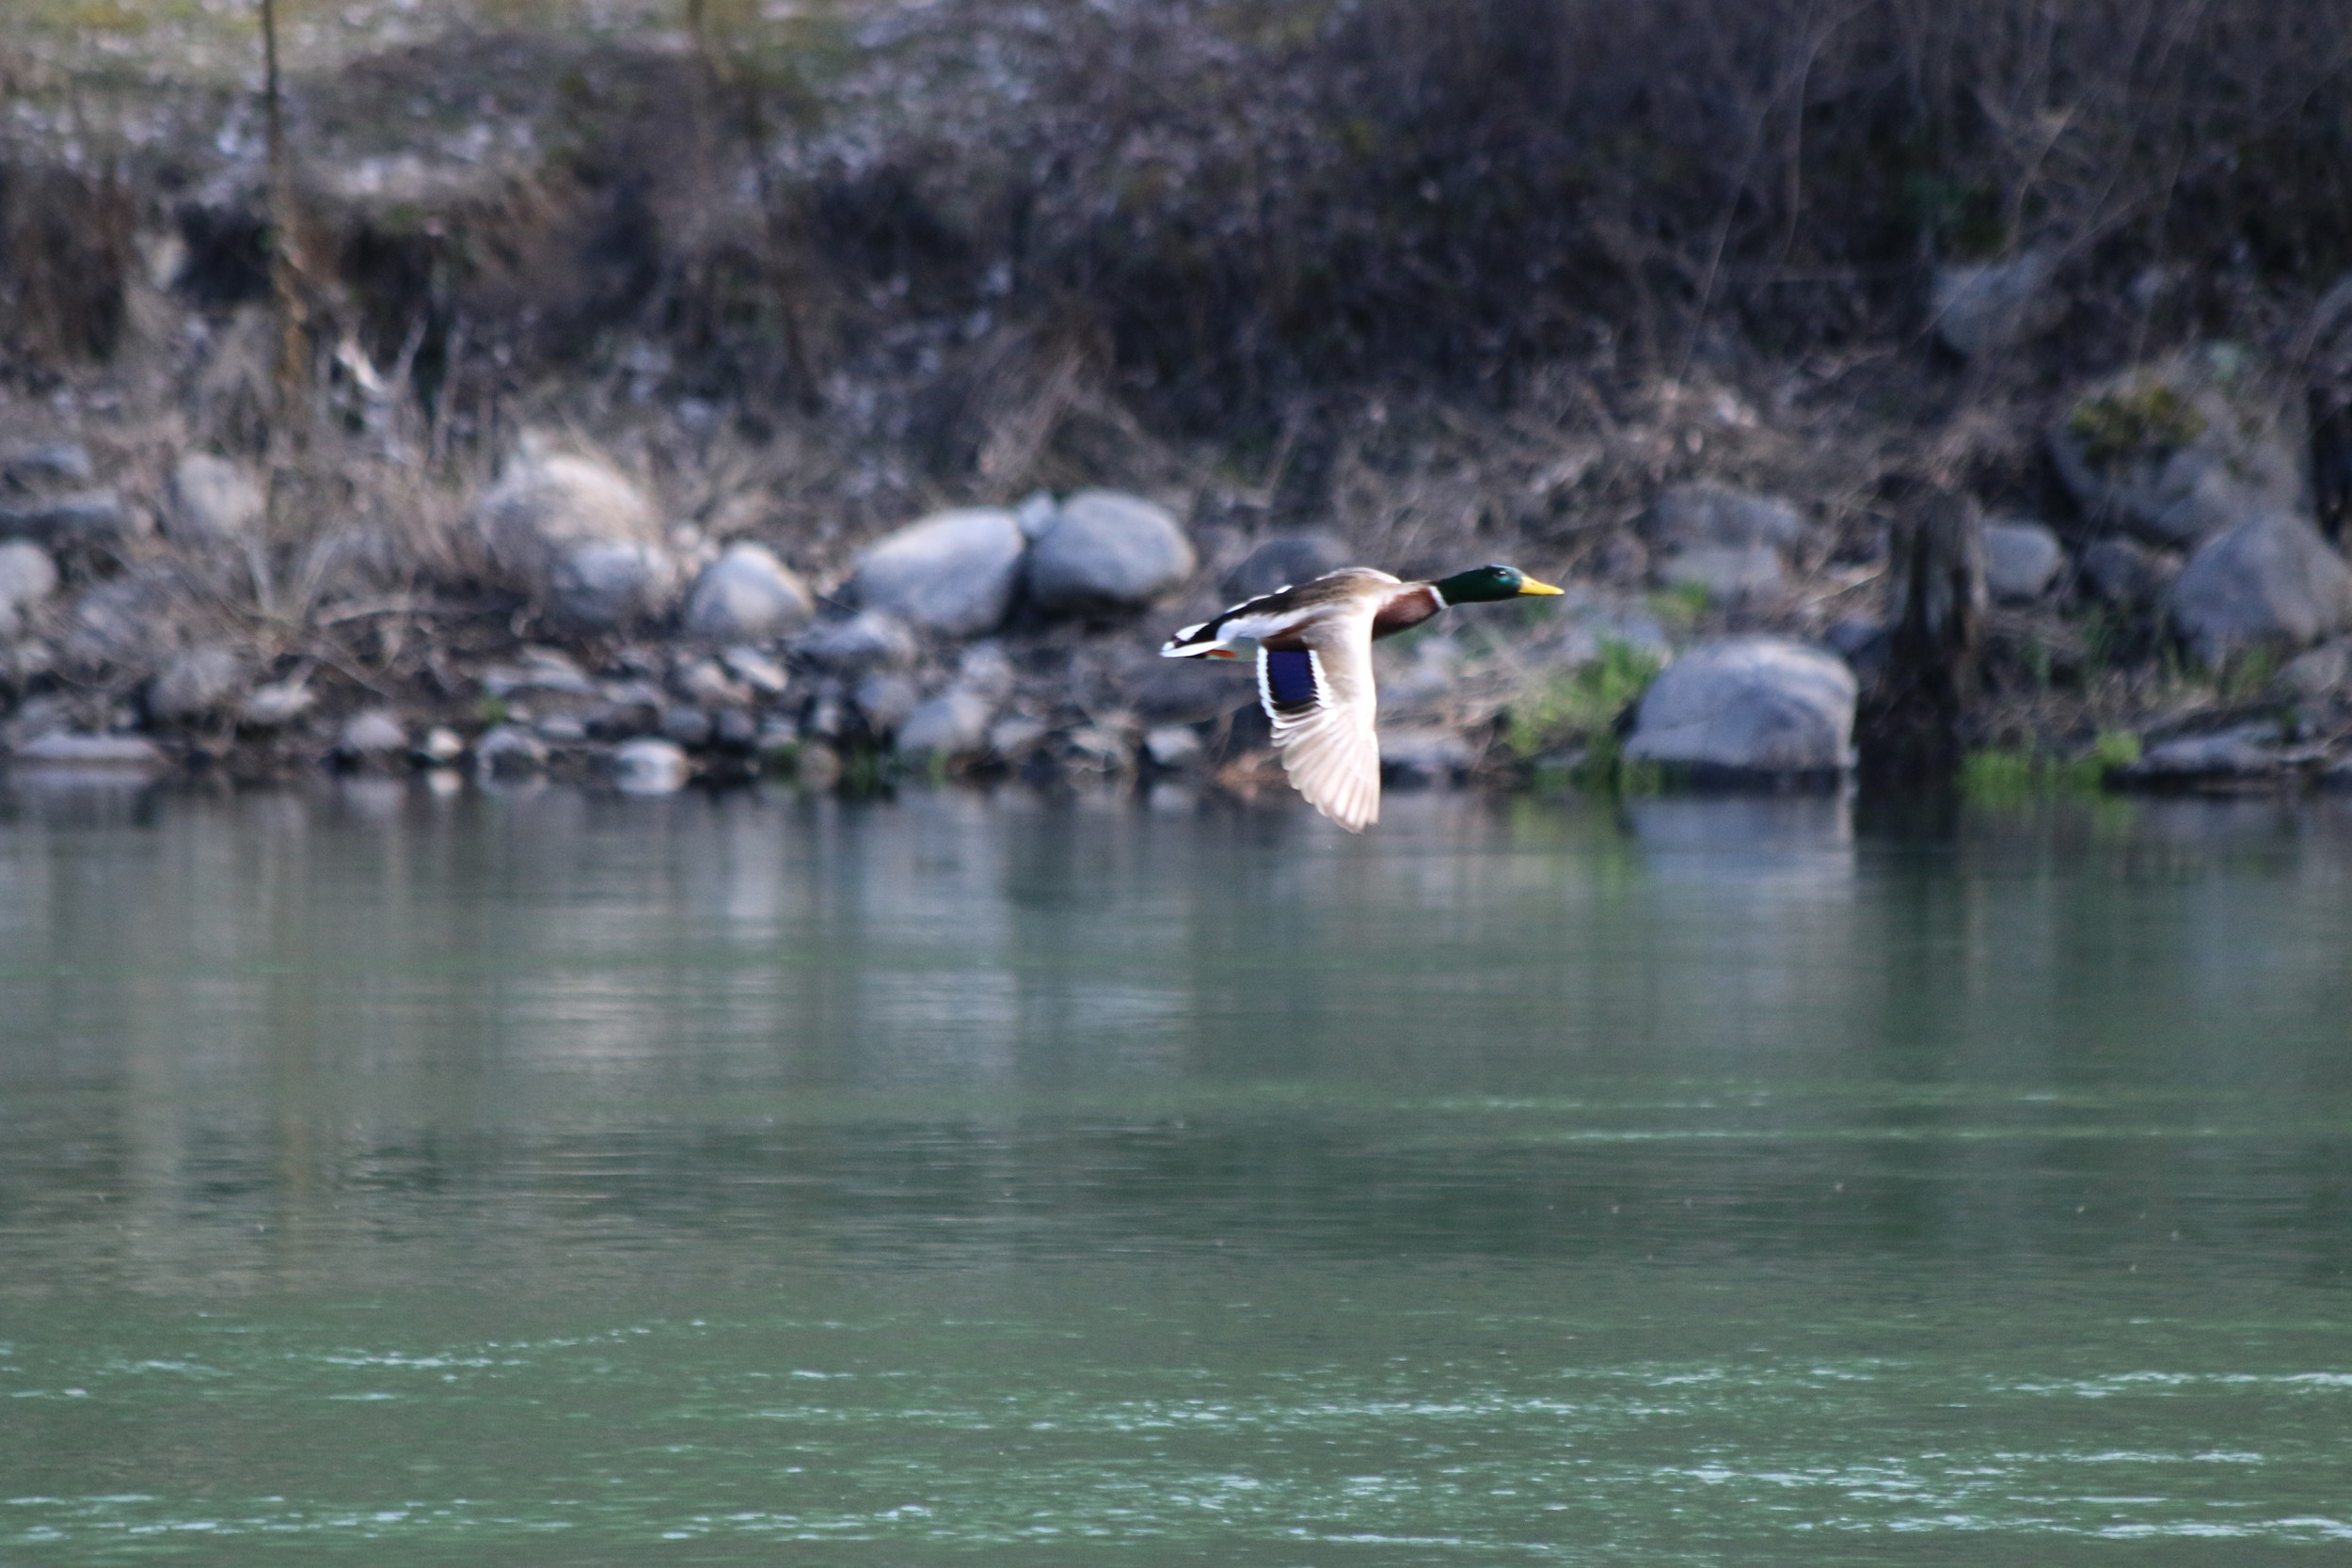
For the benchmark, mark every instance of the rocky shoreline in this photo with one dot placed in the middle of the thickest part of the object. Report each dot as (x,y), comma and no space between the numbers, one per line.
(629,406)
(574,629)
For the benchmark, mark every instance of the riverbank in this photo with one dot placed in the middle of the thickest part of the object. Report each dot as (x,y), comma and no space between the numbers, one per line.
(612,374)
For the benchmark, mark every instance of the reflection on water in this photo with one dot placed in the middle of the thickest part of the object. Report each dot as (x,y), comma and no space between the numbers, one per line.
(1714,1173)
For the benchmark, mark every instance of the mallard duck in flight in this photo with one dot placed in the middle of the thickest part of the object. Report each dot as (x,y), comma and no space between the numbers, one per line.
(1314,668)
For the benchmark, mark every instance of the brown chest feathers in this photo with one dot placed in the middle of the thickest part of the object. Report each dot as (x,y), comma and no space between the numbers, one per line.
(1405,609)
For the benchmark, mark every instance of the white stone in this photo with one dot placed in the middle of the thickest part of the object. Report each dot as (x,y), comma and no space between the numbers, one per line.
(2021,559)
(547,506)
(1173,745)
(27,577)
(211,500)
(1108,550)
(1749,704)
(745,595)
(440,746)
(649,767)
(276,704)
(953,572)
(377,732)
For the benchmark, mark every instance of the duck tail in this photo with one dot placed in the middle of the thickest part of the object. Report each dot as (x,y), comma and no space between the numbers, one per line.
(1199,641)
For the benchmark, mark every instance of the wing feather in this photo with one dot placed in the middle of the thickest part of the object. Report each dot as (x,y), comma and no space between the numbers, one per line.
(1329,745)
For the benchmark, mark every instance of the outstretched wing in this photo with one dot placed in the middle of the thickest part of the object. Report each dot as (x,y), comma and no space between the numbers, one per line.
(1317,689)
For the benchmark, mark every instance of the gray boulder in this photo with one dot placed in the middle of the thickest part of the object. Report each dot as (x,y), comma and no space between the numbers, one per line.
(52,466)
(868,640)
(1731,543)
(210,501)
(27,577)
(1692,516)
(198,683)
(953,572)
(887,701)
(756,671)
(539,669)
(611,584)
(509,752)
(1982,308)
(95,519)
(547,508)
(1749,704)
(2317,676)
(1108,551)
(954,723)
(2248,750)
(1285,560)
(2272,582)
(686,724)
(2121,572)
(126,620)
(2021,559)
(2177,452)
(64,750)
(1724,571)
(746,596)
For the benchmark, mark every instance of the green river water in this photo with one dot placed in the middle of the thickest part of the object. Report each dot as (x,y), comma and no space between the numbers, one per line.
(559,1180)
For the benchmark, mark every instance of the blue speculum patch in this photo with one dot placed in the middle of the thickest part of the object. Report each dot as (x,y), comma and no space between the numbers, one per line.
(1290,675)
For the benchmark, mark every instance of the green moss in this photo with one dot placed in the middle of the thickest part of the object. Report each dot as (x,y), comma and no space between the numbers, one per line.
(2146,420)
(2114,749)
(2011,775)
(1606,770)
(1579,705)
(2244,677)
(1679,607)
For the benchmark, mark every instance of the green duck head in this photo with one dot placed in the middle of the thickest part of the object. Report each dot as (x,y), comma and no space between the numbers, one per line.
(1485,584)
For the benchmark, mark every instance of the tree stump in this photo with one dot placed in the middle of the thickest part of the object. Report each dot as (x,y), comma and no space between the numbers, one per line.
(1911,728)
(2331,406)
